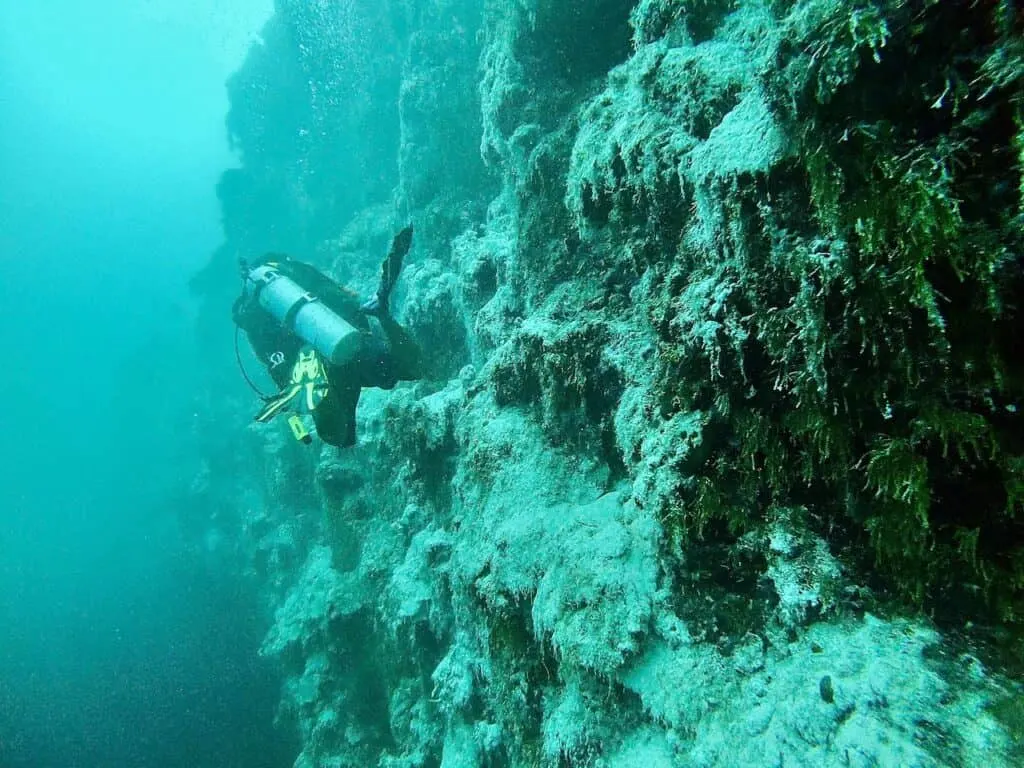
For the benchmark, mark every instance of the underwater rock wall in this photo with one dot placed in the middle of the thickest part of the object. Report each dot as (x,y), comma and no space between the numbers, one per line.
(722,304)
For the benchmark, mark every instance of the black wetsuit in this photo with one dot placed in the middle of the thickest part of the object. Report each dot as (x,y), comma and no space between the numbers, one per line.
(387,354)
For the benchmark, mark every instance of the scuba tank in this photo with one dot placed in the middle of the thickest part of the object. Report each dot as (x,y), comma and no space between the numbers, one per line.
(298,310)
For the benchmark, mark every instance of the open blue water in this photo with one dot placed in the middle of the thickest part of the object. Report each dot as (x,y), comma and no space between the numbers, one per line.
(114,648)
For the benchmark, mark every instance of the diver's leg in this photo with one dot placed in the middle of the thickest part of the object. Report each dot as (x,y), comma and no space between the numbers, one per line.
(406,355)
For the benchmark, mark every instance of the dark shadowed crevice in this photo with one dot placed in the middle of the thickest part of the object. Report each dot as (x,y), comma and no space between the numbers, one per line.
(576,42)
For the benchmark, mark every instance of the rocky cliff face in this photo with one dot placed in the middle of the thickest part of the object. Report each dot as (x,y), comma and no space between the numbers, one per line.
(722,306)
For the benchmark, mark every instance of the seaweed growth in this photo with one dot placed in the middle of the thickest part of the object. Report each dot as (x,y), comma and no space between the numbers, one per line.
(853,319)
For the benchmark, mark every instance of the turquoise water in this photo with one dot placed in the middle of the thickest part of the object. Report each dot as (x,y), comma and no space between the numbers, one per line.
(714,456)
(114,649)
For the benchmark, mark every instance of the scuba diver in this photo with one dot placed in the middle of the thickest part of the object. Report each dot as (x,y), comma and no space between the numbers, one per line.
(317,343)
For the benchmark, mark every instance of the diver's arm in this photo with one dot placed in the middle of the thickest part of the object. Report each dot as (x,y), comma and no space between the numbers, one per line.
(275,347)
(335,417)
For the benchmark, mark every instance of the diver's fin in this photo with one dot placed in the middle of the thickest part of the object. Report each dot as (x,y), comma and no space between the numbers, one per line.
(390,269)
(392,266)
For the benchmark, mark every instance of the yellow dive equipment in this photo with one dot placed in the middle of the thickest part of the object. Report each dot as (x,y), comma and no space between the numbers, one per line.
(306,390)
